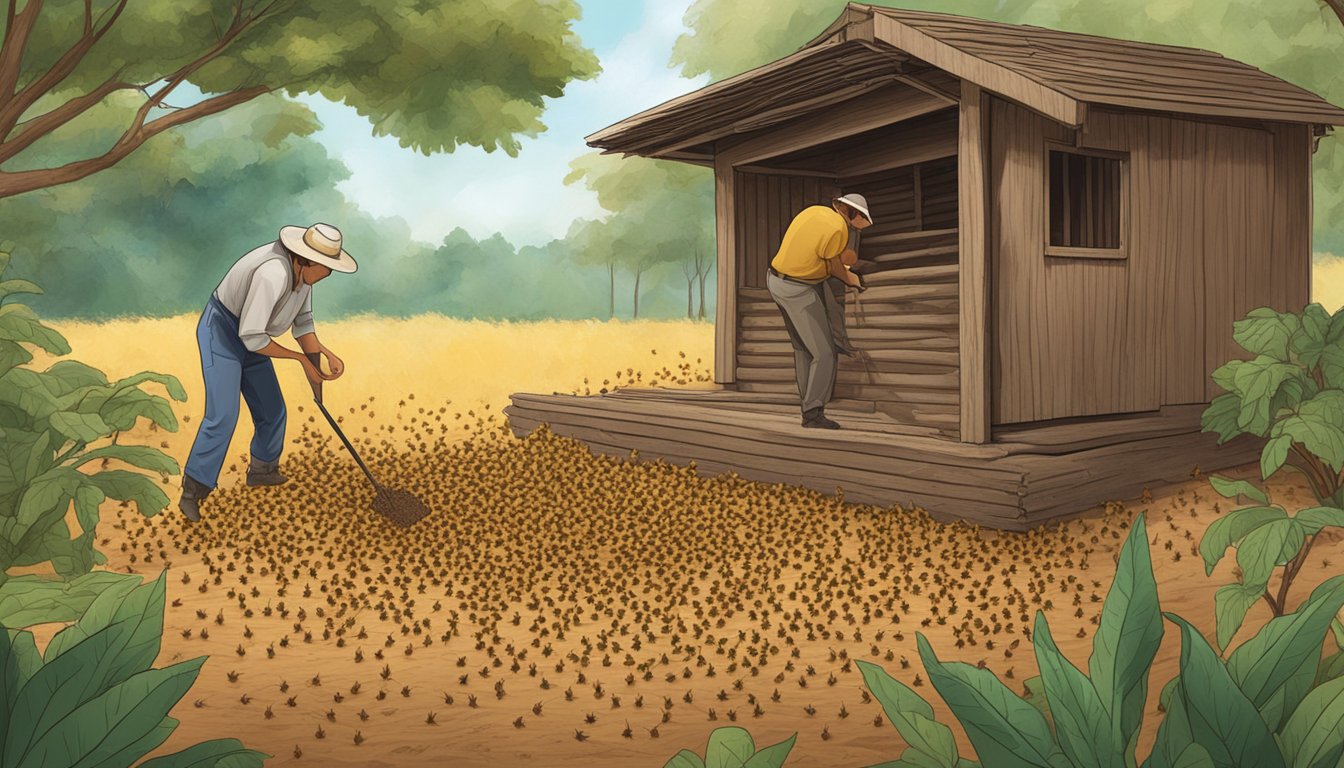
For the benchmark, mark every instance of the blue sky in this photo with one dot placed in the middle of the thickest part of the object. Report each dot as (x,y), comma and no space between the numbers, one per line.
(524,197)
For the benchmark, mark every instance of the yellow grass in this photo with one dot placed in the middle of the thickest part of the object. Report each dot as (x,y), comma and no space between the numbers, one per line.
(469,364)
(1327,281)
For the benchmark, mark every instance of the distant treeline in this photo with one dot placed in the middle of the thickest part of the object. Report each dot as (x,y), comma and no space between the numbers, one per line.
(154,235)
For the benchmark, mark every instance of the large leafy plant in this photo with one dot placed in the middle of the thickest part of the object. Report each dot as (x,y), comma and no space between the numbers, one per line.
(1292,394)
(58,430)
(733,747)
(1264,705)
(94,699)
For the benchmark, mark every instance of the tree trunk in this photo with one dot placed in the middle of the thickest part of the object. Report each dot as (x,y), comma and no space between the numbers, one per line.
(1337,6)
(690,306)
(702,294)
(611,302)
(638,273)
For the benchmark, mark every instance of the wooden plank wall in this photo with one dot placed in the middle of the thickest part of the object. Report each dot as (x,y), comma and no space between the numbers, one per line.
(1217,226)
(768,202)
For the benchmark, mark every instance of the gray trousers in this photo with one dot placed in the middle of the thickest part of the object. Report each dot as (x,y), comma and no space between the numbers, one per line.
(807,313)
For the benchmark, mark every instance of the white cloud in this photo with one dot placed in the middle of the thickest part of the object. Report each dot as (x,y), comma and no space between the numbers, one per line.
(524,198)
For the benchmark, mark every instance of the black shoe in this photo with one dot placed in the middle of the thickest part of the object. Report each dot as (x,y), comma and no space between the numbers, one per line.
(265,473)
(192,493)
(816,419)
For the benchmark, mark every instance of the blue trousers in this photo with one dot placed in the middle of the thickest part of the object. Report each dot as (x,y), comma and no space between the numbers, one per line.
(230,368)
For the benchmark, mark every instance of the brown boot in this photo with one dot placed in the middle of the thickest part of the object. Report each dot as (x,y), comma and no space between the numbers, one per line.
(265,473)
(192,495)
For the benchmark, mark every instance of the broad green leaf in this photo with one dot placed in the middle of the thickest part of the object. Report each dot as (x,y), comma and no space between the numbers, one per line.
(102,610)
(67,377)
(1316,518)
(114,720)
(19,660)
(1128,636)
(80,427)
(1337,628)
(29,600)
(772,756)
(87,500)
(1230,488)
(1222,719)
(1276,667)
(12,356)
(146,744)
(1314,736)
(1265,331)
(12,287)
(1314,336)
(1268,547)
(1034,694)
(169,383)
(1258,382)
(683,759)
(1221,416)
(1230,604)
(1231,528)
(122,485)
(1082,724)
(140,456)
(18,323)
(729,747)
(1005,730)
(1175,745)
(1274,455)
(123,408)
(1330,668)
(1319,426)
(230,753)
(931,744)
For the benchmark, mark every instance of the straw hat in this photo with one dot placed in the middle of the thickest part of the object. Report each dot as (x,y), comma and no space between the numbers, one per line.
(321,244)
(857,202)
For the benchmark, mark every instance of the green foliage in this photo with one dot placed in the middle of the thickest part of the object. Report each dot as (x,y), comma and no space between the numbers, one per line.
(94,699)
(1272,703)
(49,420)
(733,747)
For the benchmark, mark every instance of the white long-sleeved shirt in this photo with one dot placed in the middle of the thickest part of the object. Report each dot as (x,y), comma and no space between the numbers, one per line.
(257,289)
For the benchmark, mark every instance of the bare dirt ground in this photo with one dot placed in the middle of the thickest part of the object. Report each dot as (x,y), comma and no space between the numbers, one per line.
(564,609)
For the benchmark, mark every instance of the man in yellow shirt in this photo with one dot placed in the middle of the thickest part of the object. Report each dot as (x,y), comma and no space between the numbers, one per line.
(815,248)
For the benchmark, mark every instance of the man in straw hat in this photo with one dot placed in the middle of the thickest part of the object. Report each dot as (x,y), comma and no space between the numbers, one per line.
(815,249)
(264,294)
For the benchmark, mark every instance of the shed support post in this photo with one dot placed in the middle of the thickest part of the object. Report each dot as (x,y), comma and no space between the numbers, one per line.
(973,213)
(725,310)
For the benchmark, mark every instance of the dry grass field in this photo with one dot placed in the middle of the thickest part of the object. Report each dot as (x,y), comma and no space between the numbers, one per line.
(564,609)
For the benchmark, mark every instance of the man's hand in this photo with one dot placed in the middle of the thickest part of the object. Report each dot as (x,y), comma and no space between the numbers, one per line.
(336,364)
(858,283)
(313,370)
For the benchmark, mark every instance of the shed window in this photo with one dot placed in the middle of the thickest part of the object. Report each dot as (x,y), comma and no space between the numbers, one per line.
(1086,204)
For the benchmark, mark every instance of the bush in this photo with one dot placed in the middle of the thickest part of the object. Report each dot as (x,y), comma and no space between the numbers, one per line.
(93,699)
(1262,706)
(56,425)
(732,747)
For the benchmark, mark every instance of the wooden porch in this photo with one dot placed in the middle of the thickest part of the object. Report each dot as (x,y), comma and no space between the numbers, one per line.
(1026,475)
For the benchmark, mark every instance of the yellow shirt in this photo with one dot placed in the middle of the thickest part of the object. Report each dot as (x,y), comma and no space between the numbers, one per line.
(815,235)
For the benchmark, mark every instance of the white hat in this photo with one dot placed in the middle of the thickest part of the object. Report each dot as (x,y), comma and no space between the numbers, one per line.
(321,244)
(857,202)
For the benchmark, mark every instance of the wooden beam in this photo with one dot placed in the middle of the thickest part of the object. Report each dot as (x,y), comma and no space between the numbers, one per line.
(973,213)
(987,74)
(725,312)
(891,104)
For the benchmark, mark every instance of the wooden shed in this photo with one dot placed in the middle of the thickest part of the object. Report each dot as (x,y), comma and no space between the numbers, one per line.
(1066,228)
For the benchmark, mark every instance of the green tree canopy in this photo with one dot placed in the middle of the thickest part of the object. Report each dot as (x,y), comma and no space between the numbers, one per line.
(1297,40)
(432,74)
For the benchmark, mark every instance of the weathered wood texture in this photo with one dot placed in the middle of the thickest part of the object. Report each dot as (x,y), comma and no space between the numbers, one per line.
(1217,227)
(973,268)
(876,460)
(726,279)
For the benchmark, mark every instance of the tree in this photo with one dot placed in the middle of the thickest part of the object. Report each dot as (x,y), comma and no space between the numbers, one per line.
(434,75)
(1297,41)
(660,209)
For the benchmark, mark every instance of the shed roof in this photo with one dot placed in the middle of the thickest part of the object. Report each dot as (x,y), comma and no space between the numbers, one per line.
(1056,73)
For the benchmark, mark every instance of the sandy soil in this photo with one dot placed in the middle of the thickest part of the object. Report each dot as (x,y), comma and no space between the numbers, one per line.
(602,561)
